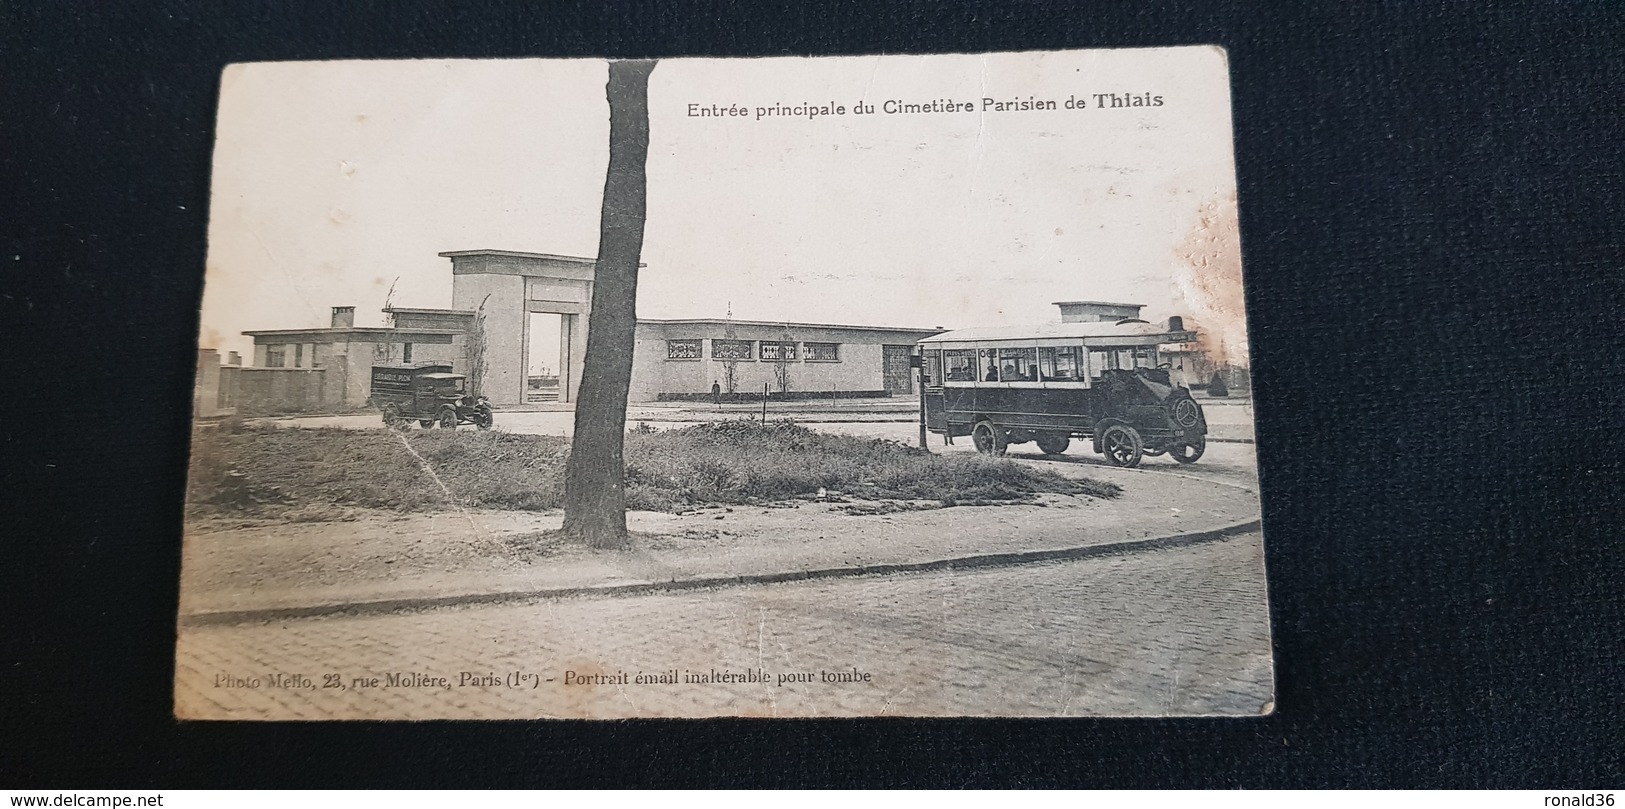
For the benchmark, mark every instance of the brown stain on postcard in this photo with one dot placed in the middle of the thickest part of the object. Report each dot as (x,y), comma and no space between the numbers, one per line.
(1207,280)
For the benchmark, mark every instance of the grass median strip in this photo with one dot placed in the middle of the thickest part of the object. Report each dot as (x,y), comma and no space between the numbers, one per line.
(314,474)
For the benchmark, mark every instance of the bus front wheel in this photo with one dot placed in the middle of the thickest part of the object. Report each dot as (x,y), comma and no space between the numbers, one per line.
(989,438)
(1189,452)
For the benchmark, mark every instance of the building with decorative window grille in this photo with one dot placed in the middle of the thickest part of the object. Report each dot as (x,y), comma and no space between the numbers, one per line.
(682,359)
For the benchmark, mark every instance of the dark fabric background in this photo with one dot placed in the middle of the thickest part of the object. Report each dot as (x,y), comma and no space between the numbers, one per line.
(1434,250)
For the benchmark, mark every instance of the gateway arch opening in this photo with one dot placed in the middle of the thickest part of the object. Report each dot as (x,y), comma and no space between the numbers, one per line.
(546,351)
(508,289)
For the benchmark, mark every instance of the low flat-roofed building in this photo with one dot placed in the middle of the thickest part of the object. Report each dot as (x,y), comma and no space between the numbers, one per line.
(488,336)
(331,368)
(682,359)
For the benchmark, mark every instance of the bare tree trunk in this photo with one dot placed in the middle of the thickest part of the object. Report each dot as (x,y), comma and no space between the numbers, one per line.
(595,478)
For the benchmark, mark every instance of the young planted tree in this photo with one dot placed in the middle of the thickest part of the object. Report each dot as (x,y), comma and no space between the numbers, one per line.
(475,345)
(781,368)
(730,367)
(595,477)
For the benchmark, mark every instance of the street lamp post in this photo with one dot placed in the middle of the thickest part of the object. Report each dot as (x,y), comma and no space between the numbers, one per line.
(917,359)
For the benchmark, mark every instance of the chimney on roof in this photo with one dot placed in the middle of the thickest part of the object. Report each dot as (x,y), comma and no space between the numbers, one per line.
(344,317)
(234,358)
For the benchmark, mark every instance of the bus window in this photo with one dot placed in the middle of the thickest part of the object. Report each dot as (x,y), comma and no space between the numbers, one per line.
(1145,357)
(989,365)
(1018,364)
(1066,364)
(959,365)
(933,368)
(1125,359)
(1128,359)
(1046,363)
(1058,364)
(1100,360)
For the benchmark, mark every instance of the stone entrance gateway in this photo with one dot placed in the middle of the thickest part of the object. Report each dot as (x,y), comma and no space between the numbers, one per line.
(506,287)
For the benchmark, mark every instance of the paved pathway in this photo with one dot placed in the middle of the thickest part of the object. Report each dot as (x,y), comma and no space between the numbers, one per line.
(1181,631)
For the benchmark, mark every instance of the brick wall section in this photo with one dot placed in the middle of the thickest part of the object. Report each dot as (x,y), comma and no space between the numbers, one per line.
(269,391)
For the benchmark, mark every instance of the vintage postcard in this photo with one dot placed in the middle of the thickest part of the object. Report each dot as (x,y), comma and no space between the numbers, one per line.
(793,387)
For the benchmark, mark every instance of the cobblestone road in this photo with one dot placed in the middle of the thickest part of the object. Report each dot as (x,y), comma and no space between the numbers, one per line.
(1167,632)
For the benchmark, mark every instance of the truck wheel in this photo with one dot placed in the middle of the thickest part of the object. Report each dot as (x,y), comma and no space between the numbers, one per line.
(426,423)
(1188,453)
(448,419)
(989,438)
(1053,443)
(1122,445)
(483,418)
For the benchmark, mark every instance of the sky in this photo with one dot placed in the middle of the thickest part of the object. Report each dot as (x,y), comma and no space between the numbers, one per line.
(338,183)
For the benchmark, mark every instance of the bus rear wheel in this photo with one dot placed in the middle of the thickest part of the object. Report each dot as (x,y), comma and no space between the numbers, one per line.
(1053,443)
(1122,445)
(989,438)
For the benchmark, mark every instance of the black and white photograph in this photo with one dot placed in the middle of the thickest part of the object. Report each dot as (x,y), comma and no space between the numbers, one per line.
(778,387)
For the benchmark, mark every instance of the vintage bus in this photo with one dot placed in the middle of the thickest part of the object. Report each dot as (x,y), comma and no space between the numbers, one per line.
(1104,382)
